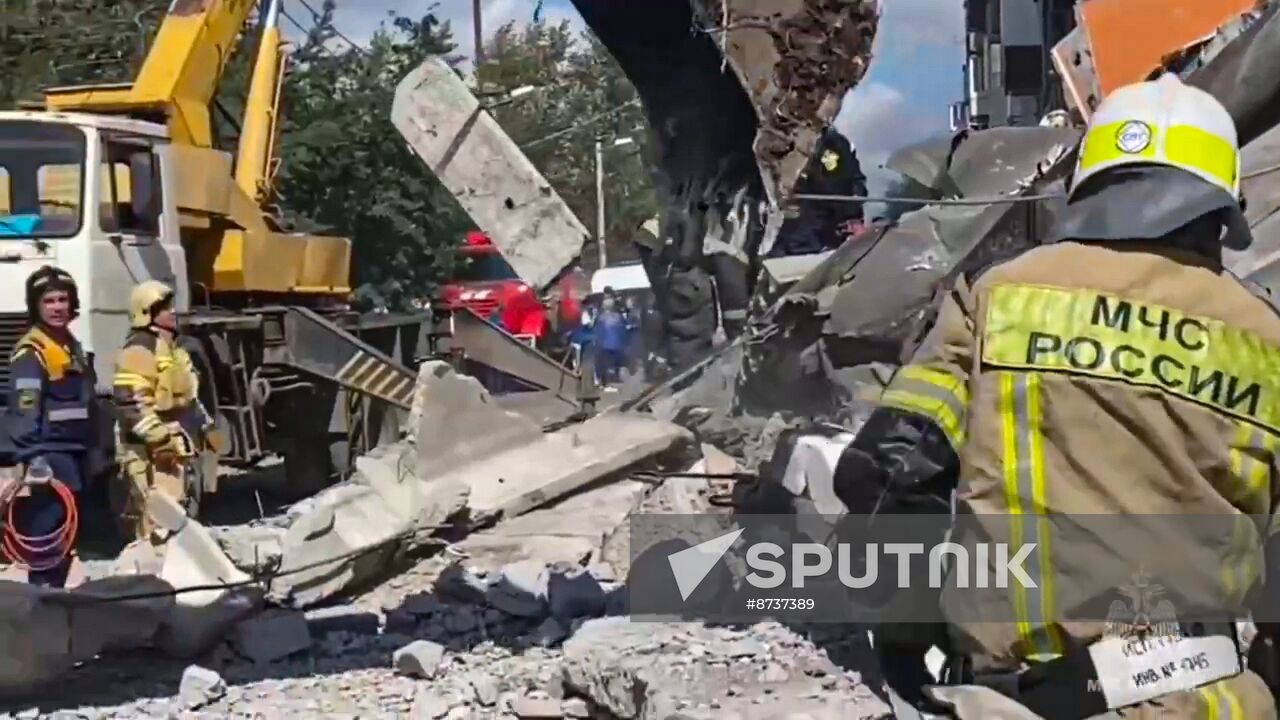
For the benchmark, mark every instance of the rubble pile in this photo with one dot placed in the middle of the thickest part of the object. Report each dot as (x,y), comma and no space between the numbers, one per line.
(523,619)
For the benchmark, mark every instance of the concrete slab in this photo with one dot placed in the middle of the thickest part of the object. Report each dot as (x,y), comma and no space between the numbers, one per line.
(45,632)
(496,184)
(545,535)
(192,558)
(523,478)
(456,421)
(346,518)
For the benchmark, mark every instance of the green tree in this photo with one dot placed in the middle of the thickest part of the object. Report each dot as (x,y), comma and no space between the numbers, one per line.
(45,43)
(582,95)
(345,169)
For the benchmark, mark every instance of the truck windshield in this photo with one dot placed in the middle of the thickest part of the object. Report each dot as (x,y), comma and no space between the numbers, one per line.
(481,267)
(41,179)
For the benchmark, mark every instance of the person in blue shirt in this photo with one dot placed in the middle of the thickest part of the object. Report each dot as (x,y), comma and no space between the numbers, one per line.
(611,334)
(51,390)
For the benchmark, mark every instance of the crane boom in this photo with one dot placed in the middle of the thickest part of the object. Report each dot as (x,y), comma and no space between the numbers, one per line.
(258,130)
(180,75)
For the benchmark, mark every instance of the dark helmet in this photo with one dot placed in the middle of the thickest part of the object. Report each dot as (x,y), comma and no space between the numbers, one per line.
(48,279)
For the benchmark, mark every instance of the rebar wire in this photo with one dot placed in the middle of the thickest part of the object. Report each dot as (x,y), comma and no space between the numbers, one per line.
(258,578)
(993,200)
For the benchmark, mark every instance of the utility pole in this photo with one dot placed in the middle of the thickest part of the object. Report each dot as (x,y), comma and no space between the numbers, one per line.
(600,235)
(600,244)
(477,22)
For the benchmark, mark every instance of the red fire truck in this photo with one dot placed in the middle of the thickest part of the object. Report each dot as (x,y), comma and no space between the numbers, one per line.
(486,284)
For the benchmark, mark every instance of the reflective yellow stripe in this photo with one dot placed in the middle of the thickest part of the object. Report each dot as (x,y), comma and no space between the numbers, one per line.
(1192,147)
(1250,458)
(1009,433)
(1234,710)
(1024,485)
(1100,146)
(1221,702)
(935,394)
(1083,332)
(1210,699)
(939,378)
(129,379)
(1182,145)
(931,408)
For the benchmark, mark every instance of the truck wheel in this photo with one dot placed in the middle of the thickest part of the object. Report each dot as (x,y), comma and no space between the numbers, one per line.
(691,319)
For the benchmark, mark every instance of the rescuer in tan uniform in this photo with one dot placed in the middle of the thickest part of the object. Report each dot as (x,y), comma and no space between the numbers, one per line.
(1120,370)
(162,425)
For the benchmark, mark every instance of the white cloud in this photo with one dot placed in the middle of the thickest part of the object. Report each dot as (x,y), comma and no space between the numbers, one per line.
(915,74)
(935,22)
(878,119)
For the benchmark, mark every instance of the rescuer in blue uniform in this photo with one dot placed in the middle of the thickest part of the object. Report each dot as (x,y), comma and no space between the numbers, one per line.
(611,338)
(51,388)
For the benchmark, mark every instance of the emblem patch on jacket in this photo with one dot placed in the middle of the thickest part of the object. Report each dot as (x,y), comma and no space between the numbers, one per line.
(27,399)
(830,160)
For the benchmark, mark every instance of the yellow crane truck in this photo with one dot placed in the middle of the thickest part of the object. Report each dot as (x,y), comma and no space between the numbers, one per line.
(122,183)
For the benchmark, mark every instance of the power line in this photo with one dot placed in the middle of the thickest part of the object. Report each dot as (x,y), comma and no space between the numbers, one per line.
(580,124)
(258,579)
(307,31)
(993,200)
(318,17)
(287,16)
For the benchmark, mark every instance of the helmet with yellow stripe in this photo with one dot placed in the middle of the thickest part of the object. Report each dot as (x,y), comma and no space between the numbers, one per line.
(145,299)
(1165,122)
(1156,157)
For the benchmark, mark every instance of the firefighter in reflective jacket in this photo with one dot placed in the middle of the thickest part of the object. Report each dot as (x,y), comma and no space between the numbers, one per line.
(162,425)
(1120,369)
(48,415)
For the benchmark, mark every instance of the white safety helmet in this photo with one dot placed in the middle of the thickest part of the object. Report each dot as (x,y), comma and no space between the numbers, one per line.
(1165,122)
(1156,156)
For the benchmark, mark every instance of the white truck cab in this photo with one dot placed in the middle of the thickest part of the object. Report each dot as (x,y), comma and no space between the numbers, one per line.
(91,195)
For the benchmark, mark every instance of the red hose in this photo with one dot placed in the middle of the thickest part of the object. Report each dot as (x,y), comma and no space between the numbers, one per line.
(21,549)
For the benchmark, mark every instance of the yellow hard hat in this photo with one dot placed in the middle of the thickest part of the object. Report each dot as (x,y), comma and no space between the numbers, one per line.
(143,300)
(1163,122)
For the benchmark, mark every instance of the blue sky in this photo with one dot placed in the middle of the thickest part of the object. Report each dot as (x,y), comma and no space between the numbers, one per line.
(915,75)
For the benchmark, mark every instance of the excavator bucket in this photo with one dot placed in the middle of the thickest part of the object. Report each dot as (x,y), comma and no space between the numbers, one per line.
(738,91)
(738,94)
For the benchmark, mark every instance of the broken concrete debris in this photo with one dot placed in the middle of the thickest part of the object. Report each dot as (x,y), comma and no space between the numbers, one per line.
(486,690)
(536,708)
(200,686)
(403,492)
(420,658)
(458,655)
(401,496)
(342,618)
(574,595)
(521,589)
(649,670)
(272,635)
(427,705)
